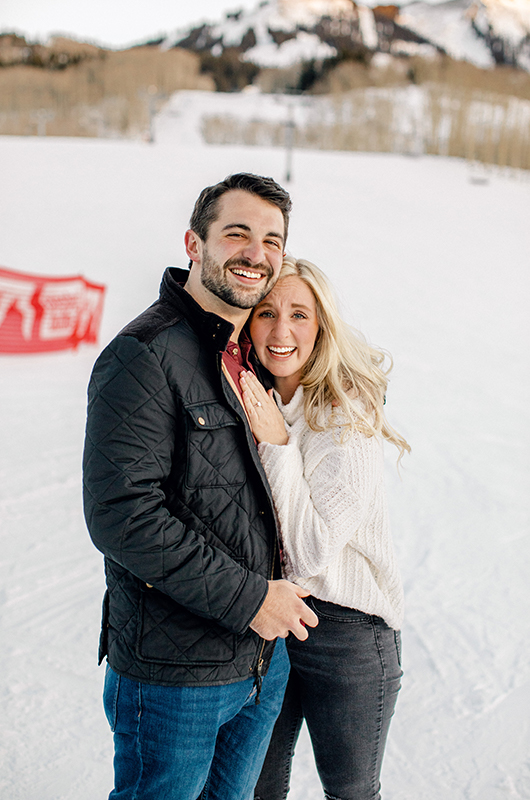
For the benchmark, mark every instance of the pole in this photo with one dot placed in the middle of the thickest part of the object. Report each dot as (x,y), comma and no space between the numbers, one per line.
(289,143)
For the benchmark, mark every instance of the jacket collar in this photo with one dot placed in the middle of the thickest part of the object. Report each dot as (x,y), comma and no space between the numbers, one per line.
(208,326)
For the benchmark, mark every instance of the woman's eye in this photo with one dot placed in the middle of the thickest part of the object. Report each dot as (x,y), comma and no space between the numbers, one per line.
(265,314)
(299,315)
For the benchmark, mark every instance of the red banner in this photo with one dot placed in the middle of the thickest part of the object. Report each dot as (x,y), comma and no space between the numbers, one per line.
(40,314)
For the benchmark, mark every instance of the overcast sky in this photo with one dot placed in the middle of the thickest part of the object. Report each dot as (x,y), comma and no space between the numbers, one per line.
(114,23)
(111,22)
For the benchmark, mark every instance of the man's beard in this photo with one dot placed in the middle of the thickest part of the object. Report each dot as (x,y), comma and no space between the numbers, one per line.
(214,278)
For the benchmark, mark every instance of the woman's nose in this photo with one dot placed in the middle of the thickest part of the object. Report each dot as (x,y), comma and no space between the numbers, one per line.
(281,328)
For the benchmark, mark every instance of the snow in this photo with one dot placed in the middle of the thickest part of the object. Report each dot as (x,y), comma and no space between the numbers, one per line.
(304,47)
(428,264)
(448,26)
(368,27)
(510,19)
(281,15)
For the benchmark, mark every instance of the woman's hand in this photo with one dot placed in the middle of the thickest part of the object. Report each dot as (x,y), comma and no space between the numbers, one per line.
(264,415)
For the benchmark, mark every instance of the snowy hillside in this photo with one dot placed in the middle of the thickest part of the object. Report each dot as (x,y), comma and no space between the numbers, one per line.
(485,33)
(279,33)
(429,265)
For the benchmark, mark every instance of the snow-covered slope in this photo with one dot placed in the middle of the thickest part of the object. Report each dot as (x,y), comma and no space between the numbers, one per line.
(485,32)
(427,264)
(283,32)
(450,26)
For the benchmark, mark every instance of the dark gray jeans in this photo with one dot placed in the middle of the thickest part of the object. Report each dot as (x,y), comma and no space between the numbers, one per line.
(344,681)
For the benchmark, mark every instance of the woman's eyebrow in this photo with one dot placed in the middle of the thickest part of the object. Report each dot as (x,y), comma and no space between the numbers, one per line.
(270,304)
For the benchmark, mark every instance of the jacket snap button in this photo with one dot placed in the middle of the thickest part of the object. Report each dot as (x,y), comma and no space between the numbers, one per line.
(201,421)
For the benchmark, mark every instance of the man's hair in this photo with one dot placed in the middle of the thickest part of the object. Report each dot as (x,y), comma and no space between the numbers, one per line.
(206,208)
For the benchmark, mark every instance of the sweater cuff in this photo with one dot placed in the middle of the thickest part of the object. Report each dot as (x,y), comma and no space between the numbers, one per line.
(270,452)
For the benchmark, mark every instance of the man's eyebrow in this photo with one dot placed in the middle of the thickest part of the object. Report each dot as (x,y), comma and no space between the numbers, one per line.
(247,228)
(236,225)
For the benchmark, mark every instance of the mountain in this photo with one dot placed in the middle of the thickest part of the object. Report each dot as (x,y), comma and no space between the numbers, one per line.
(485,32)
(280,33)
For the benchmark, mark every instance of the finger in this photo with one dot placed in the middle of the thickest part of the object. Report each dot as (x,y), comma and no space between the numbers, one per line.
(300,632)
(247,401)
(247,386)
(256,386)
(301,592)
(250,404)
(247,392)
(309,618)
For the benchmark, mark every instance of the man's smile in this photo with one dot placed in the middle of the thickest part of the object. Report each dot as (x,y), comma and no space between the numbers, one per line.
(244,273)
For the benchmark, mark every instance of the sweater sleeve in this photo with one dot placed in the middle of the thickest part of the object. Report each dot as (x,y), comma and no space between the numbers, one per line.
(322,497)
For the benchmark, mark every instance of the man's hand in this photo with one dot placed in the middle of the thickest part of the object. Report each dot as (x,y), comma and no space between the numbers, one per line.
(284,611)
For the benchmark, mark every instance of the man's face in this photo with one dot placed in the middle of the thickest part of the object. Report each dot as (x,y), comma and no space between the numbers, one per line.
(242,255)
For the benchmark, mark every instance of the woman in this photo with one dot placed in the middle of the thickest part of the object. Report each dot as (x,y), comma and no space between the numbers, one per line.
(321,447)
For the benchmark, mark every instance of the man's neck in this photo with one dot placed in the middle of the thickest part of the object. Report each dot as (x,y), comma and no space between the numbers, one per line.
(210,302)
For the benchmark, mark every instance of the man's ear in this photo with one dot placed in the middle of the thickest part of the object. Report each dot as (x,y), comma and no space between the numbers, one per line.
(193,244)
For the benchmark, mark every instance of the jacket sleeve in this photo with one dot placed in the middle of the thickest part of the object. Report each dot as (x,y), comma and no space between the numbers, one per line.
(322,503)
(130,435)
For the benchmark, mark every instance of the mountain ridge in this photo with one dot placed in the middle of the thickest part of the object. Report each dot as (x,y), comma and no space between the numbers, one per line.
(280,33)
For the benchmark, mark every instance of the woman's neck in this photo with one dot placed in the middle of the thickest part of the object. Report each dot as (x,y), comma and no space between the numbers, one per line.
(286,387)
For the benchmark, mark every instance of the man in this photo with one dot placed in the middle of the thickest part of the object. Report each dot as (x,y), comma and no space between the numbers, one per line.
(176,499)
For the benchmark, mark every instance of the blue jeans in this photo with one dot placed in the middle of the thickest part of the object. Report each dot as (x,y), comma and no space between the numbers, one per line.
(174,743)
(344,681)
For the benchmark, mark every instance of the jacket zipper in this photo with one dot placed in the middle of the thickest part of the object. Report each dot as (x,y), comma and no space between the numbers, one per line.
(258,682)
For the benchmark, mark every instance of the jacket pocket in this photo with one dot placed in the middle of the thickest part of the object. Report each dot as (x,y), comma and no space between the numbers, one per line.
(215,456)
(170,634)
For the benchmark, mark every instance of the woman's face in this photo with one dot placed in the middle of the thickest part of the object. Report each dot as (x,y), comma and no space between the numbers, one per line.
(284,327)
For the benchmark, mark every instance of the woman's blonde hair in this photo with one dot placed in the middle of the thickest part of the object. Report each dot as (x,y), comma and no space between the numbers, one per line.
(342,367)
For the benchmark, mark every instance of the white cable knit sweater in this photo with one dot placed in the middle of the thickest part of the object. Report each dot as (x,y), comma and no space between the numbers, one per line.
(331,504)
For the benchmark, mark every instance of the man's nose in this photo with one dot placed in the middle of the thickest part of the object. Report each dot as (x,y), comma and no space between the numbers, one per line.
(254,251)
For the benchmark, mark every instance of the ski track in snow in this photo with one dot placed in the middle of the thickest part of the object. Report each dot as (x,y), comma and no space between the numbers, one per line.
(427,265)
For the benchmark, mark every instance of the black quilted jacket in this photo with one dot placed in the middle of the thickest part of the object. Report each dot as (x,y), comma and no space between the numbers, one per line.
(176,499)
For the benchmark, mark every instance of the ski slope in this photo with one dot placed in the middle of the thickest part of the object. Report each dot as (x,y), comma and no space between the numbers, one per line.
(427,264)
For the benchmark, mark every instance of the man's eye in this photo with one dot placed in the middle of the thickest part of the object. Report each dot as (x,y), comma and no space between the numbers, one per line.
(273,242)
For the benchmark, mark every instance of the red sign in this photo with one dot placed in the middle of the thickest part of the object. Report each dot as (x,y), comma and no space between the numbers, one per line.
(39,314)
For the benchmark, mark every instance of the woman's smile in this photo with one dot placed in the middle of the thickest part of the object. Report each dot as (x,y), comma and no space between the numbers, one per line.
(284,328)
(281,352)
